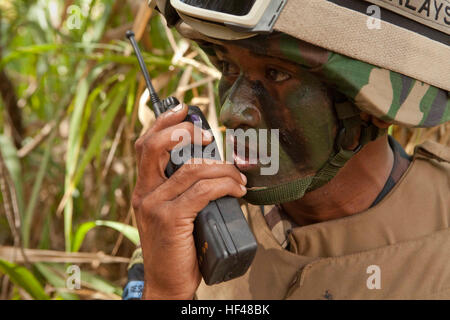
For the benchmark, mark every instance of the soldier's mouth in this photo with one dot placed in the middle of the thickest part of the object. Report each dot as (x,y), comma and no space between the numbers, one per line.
(245,157)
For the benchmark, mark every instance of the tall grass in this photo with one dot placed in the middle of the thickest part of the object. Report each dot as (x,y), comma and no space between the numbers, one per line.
(67,136)
(71,110)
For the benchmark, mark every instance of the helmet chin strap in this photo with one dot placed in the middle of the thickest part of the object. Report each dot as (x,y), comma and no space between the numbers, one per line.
(350,126)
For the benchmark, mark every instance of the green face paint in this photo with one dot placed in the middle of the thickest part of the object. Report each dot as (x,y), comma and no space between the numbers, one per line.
(303,113)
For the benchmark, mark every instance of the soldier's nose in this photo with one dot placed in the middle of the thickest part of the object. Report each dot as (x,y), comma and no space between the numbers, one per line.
(239,109)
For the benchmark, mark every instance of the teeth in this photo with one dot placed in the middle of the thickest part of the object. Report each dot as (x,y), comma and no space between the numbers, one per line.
(241,159)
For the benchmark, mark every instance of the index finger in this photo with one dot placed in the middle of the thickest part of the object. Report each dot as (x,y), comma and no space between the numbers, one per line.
(170,117)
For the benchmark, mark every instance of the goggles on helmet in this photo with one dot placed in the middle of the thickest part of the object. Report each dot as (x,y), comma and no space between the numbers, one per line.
(248,16)
(413,46)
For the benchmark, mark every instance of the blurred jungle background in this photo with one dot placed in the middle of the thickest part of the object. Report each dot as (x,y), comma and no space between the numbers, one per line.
(72,105)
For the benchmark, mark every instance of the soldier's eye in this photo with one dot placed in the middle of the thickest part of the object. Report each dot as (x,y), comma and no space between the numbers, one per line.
(277,75)
(229,69)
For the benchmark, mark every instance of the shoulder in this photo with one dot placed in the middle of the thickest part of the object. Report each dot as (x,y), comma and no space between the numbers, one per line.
(433,151)
(434,159)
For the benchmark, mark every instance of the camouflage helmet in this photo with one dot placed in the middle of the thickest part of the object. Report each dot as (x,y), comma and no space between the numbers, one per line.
(399,72)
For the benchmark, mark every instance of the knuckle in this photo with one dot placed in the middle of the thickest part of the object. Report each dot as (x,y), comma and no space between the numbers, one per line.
(141,141)
(149,145)
(138,145)
(201,188)
(177,178)
(189,169)
(159,217)
(150,208)
(136,202)
(147,205)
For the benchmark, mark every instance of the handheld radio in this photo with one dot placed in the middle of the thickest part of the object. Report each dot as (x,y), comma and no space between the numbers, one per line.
(224,242)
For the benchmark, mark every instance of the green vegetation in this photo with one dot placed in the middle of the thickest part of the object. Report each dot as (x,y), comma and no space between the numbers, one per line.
(70,113)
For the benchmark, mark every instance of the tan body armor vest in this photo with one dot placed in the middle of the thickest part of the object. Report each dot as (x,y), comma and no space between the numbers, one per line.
(398,249)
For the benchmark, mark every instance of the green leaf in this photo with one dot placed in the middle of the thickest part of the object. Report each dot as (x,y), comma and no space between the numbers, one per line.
(23,278)
(33,49)
(151,60)
(97,283)
(120,91)
(12,163)
(128,231)
(131,98)
(35,193)
(40,49)
(80,234)
(73,149)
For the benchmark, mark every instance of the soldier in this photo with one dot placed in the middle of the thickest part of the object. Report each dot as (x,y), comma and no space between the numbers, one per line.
(349,215)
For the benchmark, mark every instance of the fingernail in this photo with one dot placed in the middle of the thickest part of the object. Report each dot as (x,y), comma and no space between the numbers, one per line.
(177,108)
(243,188)
(207,135)
(244,178)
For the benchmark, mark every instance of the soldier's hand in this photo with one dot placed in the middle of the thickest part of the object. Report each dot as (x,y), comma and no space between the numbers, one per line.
(166,208)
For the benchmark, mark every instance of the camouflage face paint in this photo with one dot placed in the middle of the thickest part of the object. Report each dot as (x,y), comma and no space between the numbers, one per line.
(305,117)
(301,110)
(279,117)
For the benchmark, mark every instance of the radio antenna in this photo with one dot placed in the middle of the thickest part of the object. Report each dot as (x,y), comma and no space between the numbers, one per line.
(156,102)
